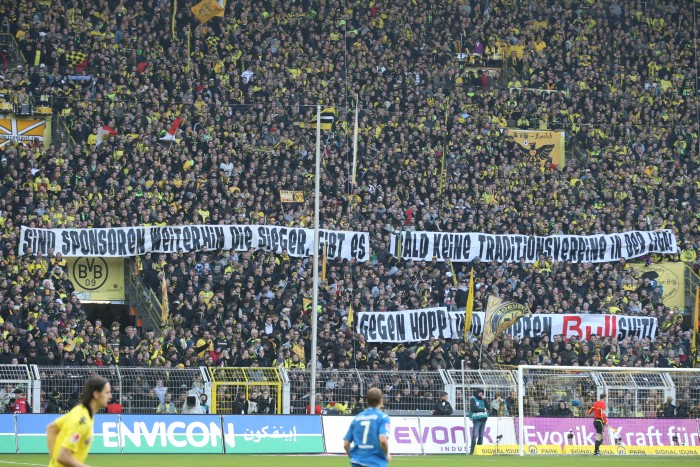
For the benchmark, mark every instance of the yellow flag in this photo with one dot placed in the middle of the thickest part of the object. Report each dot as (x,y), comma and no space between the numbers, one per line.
(206,10)
(454,276)
(164,305)
(696,326)
(351,316)
(470,306)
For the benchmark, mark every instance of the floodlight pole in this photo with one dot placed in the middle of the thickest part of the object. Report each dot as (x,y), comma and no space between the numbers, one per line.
(314,298)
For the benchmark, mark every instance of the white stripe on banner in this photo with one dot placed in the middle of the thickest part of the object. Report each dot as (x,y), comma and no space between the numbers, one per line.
(421,325)
(132,241)
(424,246)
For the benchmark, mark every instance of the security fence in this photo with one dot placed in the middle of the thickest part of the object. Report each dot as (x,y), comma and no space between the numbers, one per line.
(142,390)
(339,391)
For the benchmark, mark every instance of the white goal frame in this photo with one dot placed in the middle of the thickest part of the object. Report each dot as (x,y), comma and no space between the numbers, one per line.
(520,381)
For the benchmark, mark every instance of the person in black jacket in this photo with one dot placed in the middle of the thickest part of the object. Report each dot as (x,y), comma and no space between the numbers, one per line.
(266,403)
(240,405)
(443,406)
(563,410)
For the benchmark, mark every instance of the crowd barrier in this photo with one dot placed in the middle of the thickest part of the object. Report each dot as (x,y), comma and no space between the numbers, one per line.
(313,434)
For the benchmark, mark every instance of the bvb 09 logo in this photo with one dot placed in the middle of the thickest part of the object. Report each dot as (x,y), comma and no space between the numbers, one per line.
(532,449)
(621,450)
(90,273)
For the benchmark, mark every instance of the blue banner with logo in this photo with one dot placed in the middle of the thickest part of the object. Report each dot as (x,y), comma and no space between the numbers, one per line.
(272,434)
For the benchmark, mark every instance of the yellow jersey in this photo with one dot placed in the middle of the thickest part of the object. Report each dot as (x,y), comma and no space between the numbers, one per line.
(75,434)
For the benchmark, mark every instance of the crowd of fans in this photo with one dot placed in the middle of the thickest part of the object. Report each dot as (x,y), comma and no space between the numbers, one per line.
(618,77)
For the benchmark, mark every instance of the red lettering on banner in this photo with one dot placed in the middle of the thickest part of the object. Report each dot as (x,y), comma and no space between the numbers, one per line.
(572,324)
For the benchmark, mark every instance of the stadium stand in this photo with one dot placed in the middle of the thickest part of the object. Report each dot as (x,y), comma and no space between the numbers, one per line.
(441,83)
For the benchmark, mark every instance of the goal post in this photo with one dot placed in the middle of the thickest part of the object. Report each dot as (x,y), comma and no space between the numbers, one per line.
(649,410)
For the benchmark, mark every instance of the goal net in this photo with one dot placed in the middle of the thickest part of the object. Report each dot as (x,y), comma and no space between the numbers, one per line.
(649,410)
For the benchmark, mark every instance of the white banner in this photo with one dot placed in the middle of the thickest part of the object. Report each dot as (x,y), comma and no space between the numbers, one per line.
(424,435)
(132,241)
(424,246)
(421,325)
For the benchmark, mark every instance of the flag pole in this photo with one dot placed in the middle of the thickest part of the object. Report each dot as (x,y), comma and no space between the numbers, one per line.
(354,149)
(464,404)
(314,303)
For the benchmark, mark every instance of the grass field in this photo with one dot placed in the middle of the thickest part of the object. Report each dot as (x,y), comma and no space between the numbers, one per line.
(217,460)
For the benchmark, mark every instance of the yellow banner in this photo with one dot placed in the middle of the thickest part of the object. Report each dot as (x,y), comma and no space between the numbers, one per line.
(492,450)
(206,10)
(543,449)
(669,275)
(97,278)
(24,131)
(675,450)
(541,146)
(289,196)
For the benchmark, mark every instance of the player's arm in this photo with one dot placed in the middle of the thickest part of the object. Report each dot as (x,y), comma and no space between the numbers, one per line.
(51,435)
(65,457)
(347,440)
(384,431)
(592,409)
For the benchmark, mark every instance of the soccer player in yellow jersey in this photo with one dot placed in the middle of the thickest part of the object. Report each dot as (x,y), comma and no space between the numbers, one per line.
(69,437)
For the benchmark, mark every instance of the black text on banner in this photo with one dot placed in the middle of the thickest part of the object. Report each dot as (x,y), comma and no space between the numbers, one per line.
(132,241)
(421,325)
(424,246)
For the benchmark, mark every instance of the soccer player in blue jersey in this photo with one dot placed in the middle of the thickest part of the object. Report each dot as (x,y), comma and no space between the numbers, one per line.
(367,440)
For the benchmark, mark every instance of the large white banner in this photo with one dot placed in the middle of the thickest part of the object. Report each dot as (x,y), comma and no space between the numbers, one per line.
(132,241)
(421,325)
(424,246)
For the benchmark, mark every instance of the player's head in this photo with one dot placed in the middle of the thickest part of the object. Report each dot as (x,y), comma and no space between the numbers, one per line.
(375,398)
(602,396)
(96,389)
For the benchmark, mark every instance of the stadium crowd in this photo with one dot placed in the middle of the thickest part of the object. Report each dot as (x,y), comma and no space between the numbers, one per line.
(618,76)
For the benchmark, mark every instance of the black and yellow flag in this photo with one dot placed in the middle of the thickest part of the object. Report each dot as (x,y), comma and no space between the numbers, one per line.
(500,315)
(74,58)
(212,43)
(327,119)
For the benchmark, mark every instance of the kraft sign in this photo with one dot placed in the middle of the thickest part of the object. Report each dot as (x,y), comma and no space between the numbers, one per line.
(632,431)
(425,435)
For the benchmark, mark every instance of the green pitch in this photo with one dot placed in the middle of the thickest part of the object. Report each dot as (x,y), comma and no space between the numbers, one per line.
(219,460)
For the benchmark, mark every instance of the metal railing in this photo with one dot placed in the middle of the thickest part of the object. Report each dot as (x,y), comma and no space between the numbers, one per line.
(337,391)
(140,390)
(13,57)
(141,298)
(692,282)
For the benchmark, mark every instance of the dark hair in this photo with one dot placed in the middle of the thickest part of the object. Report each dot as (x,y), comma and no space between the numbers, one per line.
(602,395)
(93,383)
(374,397)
